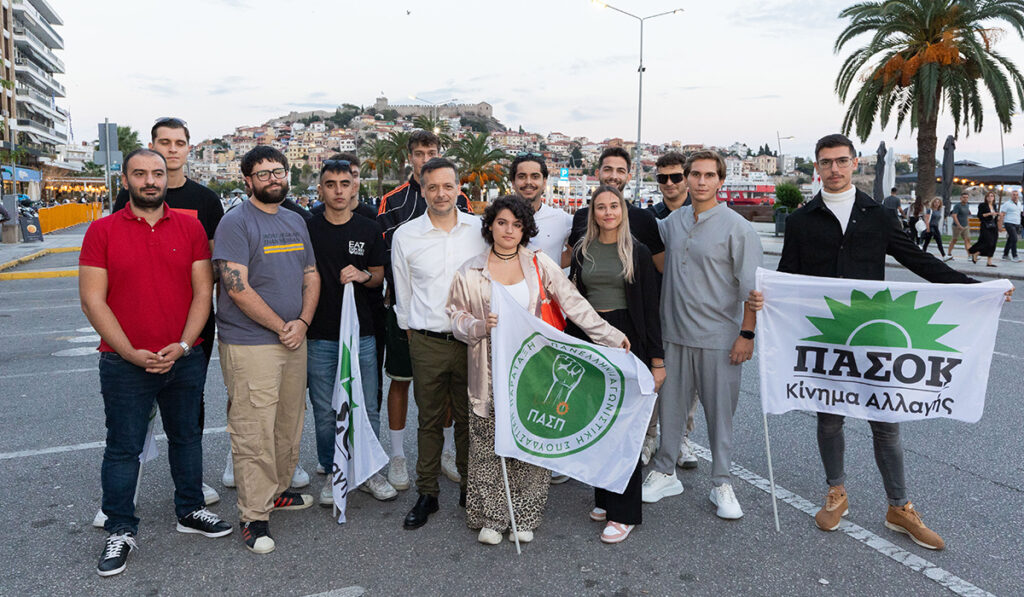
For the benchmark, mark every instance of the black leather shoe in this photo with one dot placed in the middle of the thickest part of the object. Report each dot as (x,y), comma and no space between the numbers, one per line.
(462,498)
(417,517)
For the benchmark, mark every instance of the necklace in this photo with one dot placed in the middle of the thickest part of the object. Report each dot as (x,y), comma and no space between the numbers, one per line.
(506,256)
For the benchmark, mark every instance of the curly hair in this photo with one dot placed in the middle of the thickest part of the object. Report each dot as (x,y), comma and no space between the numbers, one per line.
(519,207)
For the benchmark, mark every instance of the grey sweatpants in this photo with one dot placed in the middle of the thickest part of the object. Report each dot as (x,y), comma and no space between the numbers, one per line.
(707,373)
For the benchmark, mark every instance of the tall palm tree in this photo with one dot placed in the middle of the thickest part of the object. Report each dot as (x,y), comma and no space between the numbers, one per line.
(923,55)
(377,157)
(398,142)
(478,163)
(439,126)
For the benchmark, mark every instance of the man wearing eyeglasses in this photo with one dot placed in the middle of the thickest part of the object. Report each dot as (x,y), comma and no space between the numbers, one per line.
(171,139)
(348,248)
(843,233)
(529,177)
(269,288)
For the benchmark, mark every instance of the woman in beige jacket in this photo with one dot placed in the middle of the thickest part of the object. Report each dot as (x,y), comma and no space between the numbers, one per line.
(508,226)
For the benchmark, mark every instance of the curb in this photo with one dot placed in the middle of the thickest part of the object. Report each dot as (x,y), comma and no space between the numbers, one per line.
(65,273)
(36,255)
(993,275)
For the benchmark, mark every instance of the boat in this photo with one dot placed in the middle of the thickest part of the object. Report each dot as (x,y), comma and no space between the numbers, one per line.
(755,188)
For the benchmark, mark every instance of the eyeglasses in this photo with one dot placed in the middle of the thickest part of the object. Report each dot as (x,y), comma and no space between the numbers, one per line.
(170,120)
(676,177)
(264,175)
(826,163)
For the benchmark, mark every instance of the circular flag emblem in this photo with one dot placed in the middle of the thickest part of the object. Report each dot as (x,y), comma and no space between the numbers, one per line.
(31,228)
(564,397)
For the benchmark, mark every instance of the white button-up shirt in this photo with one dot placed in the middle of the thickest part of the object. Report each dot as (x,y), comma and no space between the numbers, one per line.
(424,260)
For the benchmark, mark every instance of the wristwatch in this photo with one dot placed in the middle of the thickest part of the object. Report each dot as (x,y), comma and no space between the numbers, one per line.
(185,346)
(367,272)
(748,334)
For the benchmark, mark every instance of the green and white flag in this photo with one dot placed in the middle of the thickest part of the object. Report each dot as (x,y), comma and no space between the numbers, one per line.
(883,351)
(564,404)
(357,452)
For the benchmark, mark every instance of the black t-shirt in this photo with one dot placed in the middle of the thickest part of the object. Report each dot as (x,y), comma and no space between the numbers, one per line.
(642,225)
(358,242)
(191,198)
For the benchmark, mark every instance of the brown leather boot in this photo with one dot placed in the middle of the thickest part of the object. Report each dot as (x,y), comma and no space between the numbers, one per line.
(906,520)
(836,506)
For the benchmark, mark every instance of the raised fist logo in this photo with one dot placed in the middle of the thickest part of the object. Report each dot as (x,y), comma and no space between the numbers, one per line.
(566,373)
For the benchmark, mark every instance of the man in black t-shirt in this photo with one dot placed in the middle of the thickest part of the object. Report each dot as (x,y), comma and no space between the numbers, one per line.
(348,248)
(171,139)
(613,168)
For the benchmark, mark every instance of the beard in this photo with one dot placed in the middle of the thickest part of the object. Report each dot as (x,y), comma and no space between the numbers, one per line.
(146,202)
(271,196)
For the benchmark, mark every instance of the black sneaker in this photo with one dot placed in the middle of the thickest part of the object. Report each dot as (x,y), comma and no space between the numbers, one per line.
(293,500)
(205,523)
(115,554)
(256,535)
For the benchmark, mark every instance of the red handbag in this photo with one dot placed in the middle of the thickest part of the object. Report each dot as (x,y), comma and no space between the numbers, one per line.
(550,310)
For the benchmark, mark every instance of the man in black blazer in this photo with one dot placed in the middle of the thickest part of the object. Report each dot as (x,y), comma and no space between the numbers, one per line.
(844,233)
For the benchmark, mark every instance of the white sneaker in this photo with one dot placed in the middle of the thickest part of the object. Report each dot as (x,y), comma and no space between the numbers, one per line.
(489,536)
(210,495)
(299,478)
(647,452)
(687,459)
(558,479)
(449,468)
(659,485)
(379,488)
(398,475)
(320,470)
(948,258)
(728,506)
(327,494)
(99,520)
(228,478)
(524,536)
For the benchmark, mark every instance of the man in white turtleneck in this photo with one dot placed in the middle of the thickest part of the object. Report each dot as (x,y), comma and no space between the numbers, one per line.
(837,190)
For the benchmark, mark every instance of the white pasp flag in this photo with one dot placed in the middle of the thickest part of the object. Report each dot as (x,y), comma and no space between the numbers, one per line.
(877,350)
(564,404)
(357,452)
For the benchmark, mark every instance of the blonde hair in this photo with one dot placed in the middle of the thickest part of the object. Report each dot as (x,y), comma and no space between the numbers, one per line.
(624,240)
(932,204)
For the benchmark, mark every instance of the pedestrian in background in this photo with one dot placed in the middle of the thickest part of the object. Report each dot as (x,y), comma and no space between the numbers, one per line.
(989,231)
(933,223)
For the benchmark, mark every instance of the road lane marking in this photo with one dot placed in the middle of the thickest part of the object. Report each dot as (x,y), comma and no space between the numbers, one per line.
(1009,356)
(85,446)
(914,562)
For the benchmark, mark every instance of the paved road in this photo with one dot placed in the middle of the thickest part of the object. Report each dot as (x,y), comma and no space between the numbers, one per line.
(967,480)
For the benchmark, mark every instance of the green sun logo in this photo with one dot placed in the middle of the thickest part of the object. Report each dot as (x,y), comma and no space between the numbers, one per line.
(881,321)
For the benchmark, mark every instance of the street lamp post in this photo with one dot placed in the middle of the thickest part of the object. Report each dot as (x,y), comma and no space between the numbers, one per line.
(1002,151)
(640,70)
(779,138)
(434,105)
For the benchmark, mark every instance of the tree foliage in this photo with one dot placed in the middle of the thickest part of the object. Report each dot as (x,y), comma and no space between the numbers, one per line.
(127,139)
(376,156)
(923,55)
(788,195)
(479,165)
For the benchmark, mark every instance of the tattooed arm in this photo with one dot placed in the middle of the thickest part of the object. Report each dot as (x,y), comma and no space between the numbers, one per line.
(294,332)
(234,278)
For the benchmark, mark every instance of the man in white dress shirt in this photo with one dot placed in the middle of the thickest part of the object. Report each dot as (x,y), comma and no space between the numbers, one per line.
(425,254)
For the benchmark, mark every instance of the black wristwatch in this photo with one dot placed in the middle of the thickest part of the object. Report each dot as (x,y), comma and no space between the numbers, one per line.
(748,334)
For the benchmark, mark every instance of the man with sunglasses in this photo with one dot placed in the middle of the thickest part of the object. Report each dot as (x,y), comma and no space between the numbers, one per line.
(269,288)
(171,139)
(348,248)
(529,177)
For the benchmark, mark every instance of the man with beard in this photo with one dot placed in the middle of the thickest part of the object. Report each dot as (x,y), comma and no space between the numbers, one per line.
(146,283)
(529,177)
(269,289)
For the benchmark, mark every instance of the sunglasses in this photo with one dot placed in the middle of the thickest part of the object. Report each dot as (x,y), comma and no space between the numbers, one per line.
(337,164)
(532,154)
(676,177)
(170,120)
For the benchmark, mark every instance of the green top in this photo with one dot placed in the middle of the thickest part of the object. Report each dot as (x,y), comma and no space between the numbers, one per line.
(602,276)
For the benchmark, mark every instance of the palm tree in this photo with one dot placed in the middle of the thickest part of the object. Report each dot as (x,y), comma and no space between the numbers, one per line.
(926,54)
(127,139)
(438,125)
(398,141)
(478,163)
(377,157)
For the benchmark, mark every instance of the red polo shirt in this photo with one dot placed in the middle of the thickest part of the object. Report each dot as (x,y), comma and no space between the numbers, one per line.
(149,272)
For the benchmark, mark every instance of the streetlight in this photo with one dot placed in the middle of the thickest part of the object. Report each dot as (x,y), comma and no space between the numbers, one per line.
(1002,151)
(779,139)
(640,101)
(434,105)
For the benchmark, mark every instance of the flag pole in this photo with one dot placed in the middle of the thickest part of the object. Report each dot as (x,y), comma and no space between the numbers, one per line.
(508,497)
(771,473)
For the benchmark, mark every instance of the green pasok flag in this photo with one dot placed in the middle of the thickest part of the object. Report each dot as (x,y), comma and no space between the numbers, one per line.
(357,452)
(564,404)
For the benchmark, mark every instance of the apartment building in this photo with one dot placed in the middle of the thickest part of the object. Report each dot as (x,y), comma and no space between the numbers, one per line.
(41,124)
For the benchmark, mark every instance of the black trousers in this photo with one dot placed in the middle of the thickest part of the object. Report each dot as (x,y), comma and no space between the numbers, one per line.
(626,507)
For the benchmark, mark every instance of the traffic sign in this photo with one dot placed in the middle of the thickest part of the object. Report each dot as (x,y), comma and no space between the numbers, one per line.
(563,174)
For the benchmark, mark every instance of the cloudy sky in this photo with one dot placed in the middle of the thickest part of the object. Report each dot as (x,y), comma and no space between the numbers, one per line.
(724,71)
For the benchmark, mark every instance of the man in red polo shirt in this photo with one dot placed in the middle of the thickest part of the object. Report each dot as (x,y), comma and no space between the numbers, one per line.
(146,284)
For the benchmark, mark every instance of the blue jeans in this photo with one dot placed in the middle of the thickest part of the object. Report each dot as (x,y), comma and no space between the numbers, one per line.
(128,396)
(321,371)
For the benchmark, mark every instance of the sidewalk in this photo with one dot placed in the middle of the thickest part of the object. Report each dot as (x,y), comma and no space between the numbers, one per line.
(961,263)
(13,254)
